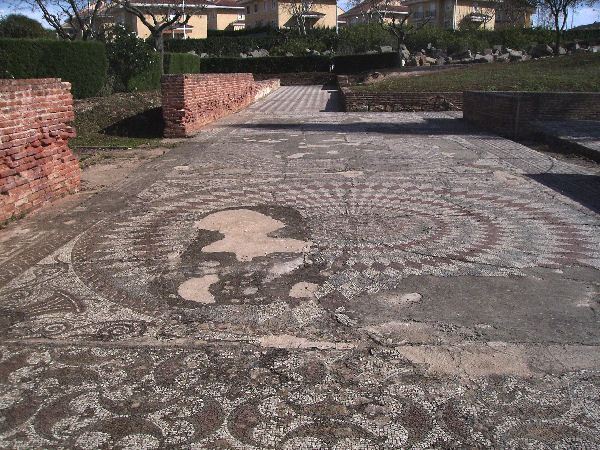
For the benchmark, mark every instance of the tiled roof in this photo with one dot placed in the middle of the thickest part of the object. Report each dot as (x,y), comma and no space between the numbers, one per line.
(369,5)
(208,3)
(231,3)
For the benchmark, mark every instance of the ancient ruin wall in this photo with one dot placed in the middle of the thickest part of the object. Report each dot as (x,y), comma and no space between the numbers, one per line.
(359,101)
(36,164)
(513,114)
(191,101)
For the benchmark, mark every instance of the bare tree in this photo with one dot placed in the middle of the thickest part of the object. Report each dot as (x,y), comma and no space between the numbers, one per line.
(159,18)
(386,12)
(71,19)
(301,10)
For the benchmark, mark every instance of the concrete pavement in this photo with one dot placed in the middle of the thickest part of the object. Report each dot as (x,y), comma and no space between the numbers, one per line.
(293,278)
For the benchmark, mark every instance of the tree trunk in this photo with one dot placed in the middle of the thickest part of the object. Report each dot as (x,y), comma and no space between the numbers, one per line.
(159,45)
(399,51)
(557,38)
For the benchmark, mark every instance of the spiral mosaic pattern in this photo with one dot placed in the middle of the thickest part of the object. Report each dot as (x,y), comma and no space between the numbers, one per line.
(385,230)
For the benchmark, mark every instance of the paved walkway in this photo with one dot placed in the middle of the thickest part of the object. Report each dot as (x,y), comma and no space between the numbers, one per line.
(299,99)
(310,280)
(582,136)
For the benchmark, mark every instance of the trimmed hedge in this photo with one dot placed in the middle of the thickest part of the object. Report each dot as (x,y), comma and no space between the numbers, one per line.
(182,63)
(293,64)
(269,64)
(362,63)
(149,79)
(83,64)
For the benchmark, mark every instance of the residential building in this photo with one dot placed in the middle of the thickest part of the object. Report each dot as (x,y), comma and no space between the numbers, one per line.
(373,11)
(226,15)
(511,15)
(450,14)
(285,13)
(205,15)
(341,22)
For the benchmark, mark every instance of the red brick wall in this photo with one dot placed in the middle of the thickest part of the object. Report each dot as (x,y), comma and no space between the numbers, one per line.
(36,164)
(401,101)
(191,101)
(354,101)
(513,113)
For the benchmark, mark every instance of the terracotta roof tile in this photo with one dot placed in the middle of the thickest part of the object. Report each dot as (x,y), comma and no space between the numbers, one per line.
(365,7)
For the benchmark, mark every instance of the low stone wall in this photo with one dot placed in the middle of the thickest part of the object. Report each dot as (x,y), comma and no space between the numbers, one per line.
(514,114)
(397,101)
(36,163)
(190,101)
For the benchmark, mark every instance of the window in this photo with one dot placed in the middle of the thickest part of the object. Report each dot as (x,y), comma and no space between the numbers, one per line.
(265,4)
(256,7)
(247,10)
(419,12)
(274,4)
(431,12)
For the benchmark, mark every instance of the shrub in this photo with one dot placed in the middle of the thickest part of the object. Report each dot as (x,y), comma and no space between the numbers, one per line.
(476,40)
(83,64)
(590,36)
(297,46)
(279,42)
(419,39)
(127,54)
(319,39)
(365,37)
(364,63)
(149,79)
(362,38)
(221,45)
(182,63)
(20,26)
(270,64)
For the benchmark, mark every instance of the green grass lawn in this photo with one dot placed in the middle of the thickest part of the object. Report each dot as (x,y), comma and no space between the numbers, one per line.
(118,120)
(567,73)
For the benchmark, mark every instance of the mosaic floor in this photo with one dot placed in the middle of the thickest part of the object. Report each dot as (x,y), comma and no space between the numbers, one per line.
(312,280)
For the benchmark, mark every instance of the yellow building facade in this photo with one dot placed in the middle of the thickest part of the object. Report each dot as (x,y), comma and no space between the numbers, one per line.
(282,14)
(373,11)
(218,15)
(450,14)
